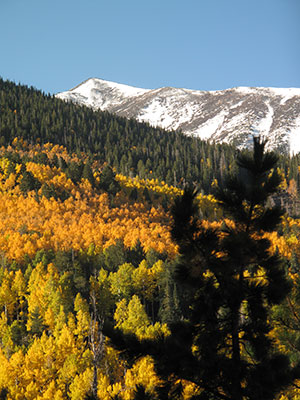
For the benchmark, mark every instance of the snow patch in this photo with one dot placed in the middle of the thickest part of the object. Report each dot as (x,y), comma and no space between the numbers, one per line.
(263,126)
(285,92)
(94,83)
(98,93)
(209,128)
(156,115)
(246,90)
(294,137)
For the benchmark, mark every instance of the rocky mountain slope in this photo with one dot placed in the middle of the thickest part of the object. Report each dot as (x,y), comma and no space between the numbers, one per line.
(229,116)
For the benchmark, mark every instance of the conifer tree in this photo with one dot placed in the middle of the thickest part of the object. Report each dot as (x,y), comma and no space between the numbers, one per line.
(29,182)
(49,190)
(108,181)
(133,194)
(146,195)
(230,280)
(87,173)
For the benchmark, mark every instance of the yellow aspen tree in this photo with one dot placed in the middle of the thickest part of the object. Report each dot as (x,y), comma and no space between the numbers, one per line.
(39,364)
(83,320)
(15,373)
(31,391)
(81,385)
(19,289)
(5,335)
(142,373)
(44,293)
(7,297)
(121,284)
(51,393)
(145,279)
(60,322)
(131,318)
(4,369)
(142,281)
(72,358)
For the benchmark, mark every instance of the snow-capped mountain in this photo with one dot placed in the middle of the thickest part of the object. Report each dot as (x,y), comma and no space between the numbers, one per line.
(229,116)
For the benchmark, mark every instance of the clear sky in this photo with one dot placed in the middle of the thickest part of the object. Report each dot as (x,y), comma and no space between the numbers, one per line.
(54,45)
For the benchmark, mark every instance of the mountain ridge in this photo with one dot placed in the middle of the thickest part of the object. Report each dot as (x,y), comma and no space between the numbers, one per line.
(221,116)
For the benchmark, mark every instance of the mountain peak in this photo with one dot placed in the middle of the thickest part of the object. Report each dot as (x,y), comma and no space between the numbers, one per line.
(228,116)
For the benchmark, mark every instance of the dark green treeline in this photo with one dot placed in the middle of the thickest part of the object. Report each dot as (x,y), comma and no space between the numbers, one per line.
(132,148)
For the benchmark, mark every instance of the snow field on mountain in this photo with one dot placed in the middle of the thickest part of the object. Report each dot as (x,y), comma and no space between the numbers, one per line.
(229,115)
(294,138)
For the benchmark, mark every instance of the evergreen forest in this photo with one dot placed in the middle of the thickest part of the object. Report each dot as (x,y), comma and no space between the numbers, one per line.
(137,263)
(130,147)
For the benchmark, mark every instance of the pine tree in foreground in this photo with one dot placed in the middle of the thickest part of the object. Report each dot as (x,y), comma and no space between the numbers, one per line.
(230,281)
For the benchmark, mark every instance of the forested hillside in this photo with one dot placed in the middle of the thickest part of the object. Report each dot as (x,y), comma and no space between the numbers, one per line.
(83,244)
(80,246)
(73,232)
(132,148)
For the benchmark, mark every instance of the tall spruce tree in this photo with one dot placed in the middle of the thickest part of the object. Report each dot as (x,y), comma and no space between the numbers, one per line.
(233,281)
(230,281)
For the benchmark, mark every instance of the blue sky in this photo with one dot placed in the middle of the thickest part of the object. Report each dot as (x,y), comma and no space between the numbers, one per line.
(54,45)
